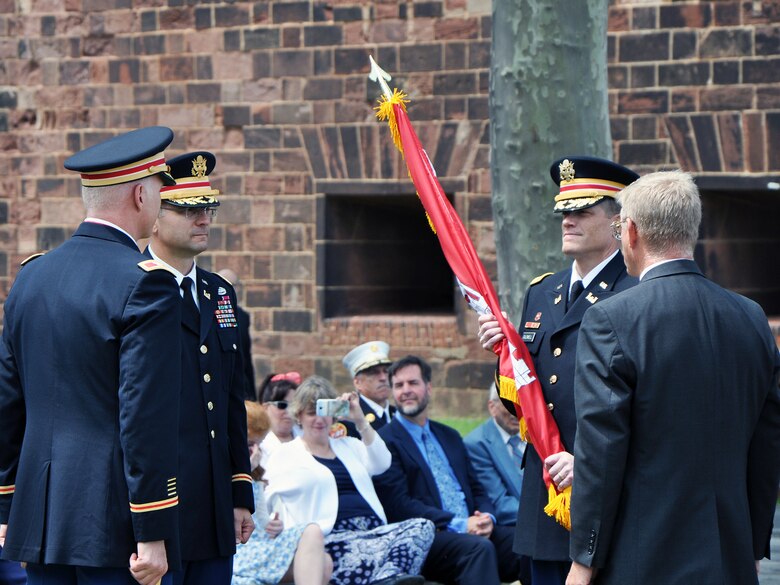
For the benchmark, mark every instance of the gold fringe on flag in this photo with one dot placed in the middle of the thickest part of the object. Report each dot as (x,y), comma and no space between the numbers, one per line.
(507,391)
(559,505)
(524,431)
(384,111)
(430,222)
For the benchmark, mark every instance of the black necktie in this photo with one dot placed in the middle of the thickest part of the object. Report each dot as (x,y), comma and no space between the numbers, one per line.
(189,310)
(576,290)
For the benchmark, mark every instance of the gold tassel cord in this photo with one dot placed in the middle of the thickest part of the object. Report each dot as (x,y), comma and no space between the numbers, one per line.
(384,111)
(558,506)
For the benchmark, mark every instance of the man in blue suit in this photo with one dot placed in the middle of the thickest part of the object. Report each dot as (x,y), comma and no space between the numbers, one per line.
(552,311)
(89,386)
(214,483)
(678,408)
(496,451)
(431,477)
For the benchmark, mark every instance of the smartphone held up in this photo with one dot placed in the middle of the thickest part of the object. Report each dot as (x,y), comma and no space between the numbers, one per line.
(332,407)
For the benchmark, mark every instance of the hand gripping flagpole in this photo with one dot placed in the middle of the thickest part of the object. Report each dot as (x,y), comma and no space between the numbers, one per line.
(517,379)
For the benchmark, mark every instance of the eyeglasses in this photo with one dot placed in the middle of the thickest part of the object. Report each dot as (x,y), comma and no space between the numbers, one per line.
(192,212)
(280,404)
(617,228)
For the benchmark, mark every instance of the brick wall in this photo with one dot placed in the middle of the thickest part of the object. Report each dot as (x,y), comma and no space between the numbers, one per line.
(696,85)
(278,90)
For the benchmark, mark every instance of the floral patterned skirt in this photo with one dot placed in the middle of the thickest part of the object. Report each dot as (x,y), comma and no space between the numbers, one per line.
(264,560)
(364,550)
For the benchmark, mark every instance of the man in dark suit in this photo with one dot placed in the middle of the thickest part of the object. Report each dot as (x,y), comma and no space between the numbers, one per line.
(367,364)
(552,311)
(245,331)
(496,451)
(676,390)
(89,386)
(431,477)
(214,483)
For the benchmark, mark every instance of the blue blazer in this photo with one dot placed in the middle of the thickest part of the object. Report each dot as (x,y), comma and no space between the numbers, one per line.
(495,470)
(408,490)
(213,456)
(90,371)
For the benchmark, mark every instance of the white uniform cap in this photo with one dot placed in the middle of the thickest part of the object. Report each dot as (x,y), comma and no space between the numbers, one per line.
(365,356)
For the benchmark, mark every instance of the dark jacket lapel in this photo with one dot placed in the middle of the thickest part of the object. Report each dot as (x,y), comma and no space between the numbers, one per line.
(208,293)
(600,287)
(406,443)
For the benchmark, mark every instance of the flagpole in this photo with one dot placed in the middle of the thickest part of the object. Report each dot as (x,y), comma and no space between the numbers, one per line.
(381,77)
(516,378)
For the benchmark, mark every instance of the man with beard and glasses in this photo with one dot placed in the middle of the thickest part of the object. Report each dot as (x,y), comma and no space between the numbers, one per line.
(431,477)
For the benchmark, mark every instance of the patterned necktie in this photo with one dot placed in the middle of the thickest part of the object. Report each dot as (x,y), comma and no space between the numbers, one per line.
(576,290)
(452,496)
(517,452)
(189,310)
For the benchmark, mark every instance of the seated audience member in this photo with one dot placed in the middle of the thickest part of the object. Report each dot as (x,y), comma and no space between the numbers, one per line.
(275,553)
(431,477)
(496,451)
(367,364)
(317,478)
(276,393)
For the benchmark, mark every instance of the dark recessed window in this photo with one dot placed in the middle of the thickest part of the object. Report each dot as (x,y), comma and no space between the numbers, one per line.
(378,256)
(739,239)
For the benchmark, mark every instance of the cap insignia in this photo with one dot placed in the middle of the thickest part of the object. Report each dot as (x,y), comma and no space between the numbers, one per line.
(566,169)
(199,166)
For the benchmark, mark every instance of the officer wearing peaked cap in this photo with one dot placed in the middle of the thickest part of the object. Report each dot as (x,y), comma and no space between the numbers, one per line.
(215,488)
(89,385)
(367,364)
(552,311)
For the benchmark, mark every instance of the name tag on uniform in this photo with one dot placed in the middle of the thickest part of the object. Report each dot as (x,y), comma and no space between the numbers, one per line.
(528,336)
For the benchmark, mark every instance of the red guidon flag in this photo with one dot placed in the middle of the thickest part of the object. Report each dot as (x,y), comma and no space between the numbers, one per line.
(517,379)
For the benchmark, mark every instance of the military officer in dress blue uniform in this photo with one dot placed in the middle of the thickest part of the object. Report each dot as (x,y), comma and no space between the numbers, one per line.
(215,488)
(90,372)
(552,311)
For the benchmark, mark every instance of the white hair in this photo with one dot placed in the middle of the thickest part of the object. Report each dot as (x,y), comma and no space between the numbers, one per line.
(666,208)
(110,197)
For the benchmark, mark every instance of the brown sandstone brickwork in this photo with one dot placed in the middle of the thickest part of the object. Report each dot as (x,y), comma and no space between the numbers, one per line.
(278,90)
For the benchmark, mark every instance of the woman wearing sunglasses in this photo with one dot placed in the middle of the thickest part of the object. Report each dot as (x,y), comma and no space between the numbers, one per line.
(277,392)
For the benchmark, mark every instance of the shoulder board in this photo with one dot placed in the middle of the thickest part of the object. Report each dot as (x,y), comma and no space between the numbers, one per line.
(540,278)
(31,258)
(217,274)
(149,265)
